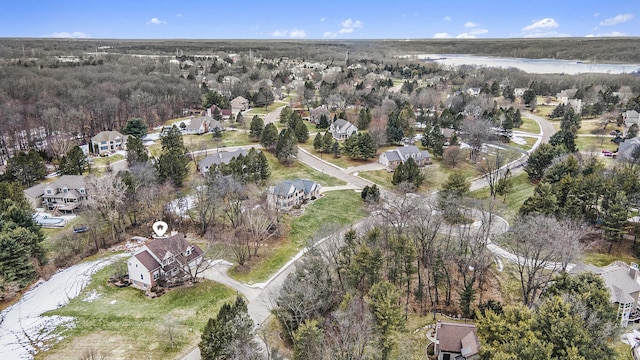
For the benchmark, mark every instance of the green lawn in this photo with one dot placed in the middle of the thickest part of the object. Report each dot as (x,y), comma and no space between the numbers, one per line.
(593,126)
(544,110)
(521,191)
(343,161)
(588,143)
(123,323)
(100,161)
(529,125)
(336,207)
(380,177)
(437,173)
(604,259)
(281,172)
(262,111)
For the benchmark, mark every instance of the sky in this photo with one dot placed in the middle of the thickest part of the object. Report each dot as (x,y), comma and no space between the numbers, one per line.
(328,19)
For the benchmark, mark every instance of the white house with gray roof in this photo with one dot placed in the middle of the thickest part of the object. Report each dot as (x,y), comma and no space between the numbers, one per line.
(290,193)
(108,141)
(623,283)
(65,194)
(202,125)
(342,129)
(222,157)
(397,156)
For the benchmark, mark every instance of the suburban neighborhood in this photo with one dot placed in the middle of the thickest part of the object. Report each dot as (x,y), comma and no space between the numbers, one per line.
(219,199)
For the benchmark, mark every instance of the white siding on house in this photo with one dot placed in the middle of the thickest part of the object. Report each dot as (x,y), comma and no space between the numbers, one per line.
(138,274)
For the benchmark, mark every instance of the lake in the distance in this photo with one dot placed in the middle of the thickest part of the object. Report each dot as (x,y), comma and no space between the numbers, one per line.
(533,66)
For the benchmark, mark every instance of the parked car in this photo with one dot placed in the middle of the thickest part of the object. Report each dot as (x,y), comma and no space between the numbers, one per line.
(607,153)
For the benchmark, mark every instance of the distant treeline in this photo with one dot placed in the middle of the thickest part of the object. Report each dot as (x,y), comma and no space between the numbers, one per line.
(623,50)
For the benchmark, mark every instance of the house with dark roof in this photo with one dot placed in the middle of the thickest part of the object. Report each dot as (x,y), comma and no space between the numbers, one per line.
(65,194)
(342,129)
(202,125)
(224,113)
(626,148)
(397,156)
(163,259)
(623,282)
(290,193)
(108,141)
(456,341)
(221,157)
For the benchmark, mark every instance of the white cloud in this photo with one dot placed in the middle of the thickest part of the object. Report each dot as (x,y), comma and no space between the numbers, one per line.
(469,24)
(351,24)
(441,35)
(295,33)
(472,34)
(596,14)
(609,34)
(280,33)
(618,19)
(544,34)
(546,23)
(155,21)
(447,18)
(345,31)
(70,35)
(329,34)
(322,19)
(178,15)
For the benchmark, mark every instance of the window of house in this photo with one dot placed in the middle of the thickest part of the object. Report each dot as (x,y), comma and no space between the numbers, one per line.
(189,251)
(446,356)
(156,275)
(141,276)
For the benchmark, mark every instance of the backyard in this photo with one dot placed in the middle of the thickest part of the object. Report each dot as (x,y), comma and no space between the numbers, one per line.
(124,323)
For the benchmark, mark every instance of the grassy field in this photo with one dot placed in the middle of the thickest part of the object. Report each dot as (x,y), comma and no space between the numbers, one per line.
(591,126)
(590,143)
(335,207)
(521,191)
(123,323)
(544,110)
(380,177)
(99,161)
(529,125)
(437,173)
(262,111)
(343,161)
(281,172)
(604,259)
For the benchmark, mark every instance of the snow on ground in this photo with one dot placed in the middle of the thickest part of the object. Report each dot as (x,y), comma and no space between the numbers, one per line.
(519,140)
(23,330)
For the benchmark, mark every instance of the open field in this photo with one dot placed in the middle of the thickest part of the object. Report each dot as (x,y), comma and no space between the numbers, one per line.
(593,143)
(381,177)
(281,172)
(124,323)
(335,207)
(343,161)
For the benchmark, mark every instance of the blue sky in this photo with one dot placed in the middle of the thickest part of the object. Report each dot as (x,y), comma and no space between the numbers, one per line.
(328,19)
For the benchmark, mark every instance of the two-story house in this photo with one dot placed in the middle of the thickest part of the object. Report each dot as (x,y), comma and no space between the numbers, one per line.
(162,259)
(65,194)
(342,129)
(108,141)
(222,157)
(455,341)
(290,193)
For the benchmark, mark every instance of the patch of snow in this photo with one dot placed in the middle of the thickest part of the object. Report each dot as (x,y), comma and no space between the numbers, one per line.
(182,205)
(91,296)
(22,326)
(113,302)
(519,140)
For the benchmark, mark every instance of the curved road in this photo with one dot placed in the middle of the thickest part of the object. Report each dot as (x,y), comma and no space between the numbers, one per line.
(260,296)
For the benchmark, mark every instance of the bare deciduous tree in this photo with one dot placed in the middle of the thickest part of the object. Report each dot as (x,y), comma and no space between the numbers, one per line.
(493,169)
(544,246)
(106,196)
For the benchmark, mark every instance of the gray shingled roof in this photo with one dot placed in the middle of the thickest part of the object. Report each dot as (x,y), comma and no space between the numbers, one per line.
(618,279)
(147,260)
(108,136)
(341,125)
(626,147)
(222,157)
(393,155)
(450,338)
(286,187)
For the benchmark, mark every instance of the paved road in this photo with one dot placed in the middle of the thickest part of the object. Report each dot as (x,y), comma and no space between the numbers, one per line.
(260,296)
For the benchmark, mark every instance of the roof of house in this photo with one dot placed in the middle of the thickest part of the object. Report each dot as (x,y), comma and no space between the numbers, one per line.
(147,260)
(405,152)
(626,147)
(447,132)
(287,187)
(108,136)
(457,338)
(239,101)
(222,157)
(342,125)
(174,245)
(68,181)
(631,114)
(618,277)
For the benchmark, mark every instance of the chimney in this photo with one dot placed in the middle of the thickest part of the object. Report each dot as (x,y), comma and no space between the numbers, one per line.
(633,271)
